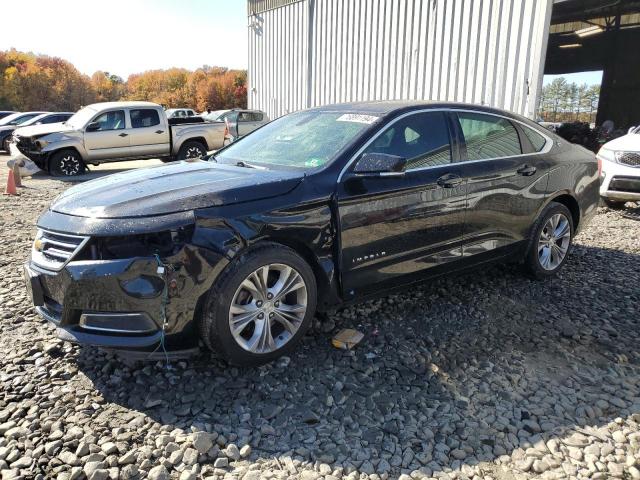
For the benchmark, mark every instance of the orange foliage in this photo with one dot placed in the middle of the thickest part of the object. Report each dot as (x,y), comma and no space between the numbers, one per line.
(34,82)
(39,82)
(212,87)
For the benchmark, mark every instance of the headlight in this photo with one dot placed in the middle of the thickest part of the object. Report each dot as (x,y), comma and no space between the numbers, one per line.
(608,155)
(40,144)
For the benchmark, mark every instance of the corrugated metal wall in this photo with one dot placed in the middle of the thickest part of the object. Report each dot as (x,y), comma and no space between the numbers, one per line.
(315,52)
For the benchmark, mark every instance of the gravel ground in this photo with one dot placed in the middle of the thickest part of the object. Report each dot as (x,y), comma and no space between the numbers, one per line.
(488,375)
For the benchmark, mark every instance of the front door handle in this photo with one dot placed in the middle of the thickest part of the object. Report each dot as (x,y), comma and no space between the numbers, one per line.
(527,170)
(449,180)
(159,131)
(123,135)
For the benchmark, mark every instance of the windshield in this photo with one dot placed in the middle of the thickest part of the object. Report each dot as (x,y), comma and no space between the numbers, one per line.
(10,118)
(81,117)
(33,120)
(18,118)
(301,140)
(215,115)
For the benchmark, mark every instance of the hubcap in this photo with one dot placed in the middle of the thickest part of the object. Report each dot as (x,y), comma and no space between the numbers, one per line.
(69,165)
(194,152)
(554,241)
(268,308)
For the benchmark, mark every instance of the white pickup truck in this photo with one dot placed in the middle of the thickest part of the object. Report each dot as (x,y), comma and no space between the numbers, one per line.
(113,131)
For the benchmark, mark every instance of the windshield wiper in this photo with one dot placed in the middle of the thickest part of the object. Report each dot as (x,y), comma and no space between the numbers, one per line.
(244,164)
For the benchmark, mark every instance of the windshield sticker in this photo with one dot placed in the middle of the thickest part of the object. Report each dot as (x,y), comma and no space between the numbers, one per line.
(357,118)
(313,162)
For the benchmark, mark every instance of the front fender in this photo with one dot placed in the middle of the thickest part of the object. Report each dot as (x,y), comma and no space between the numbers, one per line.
(305,227)
(64,141)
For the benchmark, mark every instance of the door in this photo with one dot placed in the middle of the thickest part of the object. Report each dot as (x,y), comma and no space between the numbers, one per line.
(507,179)
(149,136)
(107,136)
(396,227)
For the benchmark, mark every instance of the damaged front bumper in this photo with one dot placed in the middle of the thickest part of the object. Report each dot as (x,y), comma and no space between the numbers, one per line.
(27,147)
(114,304)
(120,303)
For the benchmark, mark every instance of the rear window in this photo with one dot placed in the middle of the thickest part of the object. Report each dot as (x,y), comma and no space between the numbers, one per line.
(488,136)
(537,140)
(146,117)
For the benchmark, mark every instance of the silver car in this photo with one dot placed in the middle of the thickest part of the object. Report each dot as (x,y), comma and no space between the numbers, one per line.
(241,122)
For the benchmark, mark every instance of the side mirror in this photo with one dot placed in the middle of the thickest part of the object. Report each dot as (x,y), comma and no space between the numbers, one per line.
(379,164)
(93,127)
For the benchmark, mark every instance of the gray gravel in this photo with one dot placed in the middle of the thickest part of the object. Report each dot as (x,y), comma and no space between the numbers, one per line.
(488,375)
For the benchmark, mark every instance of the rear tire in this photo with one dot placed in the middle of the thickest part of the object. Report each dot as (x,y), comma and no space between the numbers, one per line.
(614,204)
(269,322)
(66,163)
(550,242)
(191,149)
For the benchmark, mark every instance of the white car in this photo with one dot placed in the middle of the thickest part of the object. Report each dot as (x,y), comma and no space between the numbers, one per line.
(619,164)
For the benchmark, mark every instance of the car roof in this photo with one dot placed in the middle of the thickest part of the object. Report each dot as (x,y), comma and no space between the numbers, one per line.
(106,105)
(386,107)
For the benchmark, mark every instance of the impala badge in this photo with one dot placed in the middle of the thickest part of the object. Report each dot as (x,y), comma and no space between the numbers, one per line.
(370,256)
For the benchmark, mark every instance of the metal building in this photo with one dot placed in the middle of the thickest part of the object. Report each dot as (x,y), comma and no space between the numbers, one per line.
(304,53)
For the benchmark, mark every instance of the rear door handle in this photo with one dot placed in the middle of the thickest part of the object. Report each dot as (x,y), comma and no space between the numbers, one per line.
(527,171)
(449,180)
(159,131)
(123,135)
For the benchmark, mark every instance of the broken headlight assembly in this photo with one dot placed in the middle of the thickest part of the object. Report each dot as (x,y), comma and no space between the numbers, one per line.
(164,244)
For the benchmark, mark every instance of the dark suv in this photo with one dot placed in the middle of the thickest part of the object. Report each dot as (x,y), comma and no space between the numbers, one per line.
(317,208)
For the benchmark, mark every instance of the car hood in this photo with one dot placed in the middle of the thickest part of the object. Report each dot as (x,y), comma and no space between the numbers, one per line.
(176,187)
(40,130)
(627,143)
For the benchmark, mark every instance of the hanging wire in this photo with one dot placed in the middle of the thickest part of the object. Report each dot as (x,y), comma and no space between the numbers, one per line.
(162,270)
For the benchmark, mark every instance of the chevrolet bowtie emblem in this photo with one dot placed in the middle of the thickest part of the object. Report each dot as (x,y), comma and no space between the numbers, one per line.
(38,245)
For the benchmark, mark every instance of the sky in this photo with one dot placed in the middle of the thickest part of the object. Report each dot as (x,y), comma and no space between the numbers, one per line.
(590,78)
(129,36)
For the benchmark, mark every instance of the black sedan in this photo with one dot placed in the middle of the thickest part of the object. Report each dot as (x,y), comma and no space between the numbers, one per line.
(318,208)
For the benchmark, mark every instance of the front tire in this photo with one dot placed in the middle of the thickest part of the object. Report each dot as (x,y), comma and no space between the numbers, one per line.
(260,307)
(550,241)
(5,144)
(191,150)
(67,163)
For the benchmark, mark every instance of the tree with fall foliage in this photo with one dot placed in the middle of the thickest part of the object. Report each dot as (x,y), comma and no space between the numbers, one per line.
(39,82)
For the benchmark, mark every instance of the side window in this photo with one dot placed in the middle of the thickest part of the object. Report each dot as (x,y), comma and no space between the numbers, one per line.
(190,113)
(244,117)
(488,136)
(257,116)
(537,140)
(110,121)
(143,118)
(422,138)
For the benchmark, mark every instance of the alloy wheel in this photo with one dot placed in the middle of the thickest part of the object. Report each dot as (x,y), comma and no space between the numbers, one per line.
(268,308)
(194,152)
(69,165)
(554,241)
